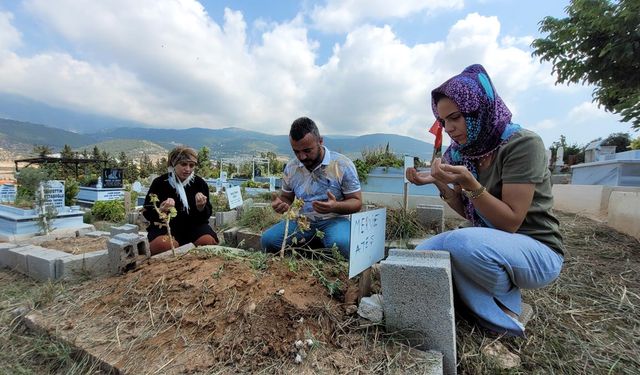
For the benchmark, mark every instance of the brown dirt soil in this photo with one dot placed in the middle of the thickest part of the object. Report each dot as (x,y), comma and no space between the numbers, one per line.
(77,245)
(204,313)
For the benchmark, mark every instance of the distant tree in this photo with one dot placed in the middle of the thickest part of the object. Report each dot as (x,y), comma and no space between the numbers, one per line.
(204,163)
(569,150)
(28,182)
(96,153)
(146,166)
(620,140)
(635,144)
(67,152)
(71,189)
(42,150)
(160,166)
(598,44)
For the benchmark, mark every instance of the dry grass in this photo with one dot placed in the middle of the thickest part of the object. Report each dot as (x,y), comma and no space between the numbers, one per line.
(587,322)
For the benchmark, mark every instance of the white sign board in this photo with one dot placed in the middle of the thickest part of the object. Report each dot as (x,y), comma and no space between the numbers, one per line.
(408,163)
(272,183)
(234,197)
(367,240)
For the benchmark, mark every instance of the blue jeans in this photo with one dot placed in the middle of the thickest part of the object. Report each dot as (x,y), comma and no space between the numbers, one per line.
(336,231)
(489,267)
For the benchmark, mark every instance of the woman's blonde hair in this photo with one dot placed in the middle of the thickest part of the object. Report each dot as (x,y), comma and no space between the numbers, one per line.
(181,153)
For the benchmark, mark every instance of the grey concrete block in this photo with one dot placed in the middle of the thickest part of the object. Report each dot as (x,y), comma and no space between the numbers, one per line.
(370,308)
(249,240)
(431,216)
(4,253)
(226,218)
(126,228)
(231,236)
(95,263)
(98,233)
(41,262)
(127,251)
(418,300)
(178,250)
(212,222)
(16,258)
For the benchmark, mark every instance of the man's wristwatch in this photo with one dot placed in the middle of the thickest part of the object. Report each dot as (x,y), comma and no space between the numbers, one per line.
(473,194)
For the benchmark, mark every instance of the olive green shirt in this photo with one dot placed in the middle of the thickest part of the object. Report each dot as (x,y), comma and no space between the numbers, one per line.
(522,160)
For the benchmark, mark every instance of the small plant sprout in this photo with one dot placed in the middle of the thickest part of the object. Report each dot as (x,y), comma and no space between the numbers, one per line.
(165,217)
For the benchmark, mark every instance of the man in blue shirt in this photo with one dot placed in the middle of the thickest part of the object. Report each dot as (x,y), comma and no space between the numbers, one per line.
(326,181)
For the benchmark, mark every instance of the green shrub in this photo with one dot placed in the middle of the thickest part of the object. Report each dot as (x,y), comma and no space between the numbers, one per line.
(258,218)
(403,224)
(28,182)
(219,202)
(108,211)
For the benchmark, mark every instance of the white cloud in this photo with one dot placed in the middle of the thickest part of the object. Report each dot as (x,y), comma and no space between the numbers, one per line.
(10,37)
(585,112)
(343,15)
(169,64)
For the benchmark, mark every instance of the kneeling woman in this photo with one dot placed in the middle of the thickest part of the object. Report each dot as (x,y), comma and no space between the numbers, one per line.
(189,194)
(495,174)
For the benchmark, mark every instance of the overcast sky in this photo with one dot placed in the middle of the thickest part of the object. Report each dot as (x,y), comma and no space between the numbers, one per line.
(354,66)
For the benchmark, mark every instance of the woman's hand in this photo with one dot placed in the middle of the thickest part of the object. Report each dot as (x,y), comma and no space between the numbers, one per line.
(454,174)
(167,204)
(417,178)
(201,201)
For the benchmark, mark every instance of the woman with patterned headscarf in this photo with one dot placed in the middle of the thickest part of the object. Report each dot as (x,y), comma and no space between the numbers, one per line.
(494,174)
(189,195)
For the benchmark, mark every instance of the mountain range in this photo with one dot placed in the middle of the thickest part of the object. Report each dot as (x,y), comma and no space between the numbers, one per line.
(226,142)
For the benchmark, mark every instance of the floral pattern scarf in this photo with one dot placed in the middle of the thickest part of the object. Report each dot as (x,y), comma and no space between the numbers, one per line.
(488,123)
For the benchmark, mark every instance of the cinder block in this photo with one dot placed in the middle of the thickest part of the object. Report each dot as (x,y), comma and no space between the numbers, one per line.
(226,218)
(249,240)
(95,263)
(370,308)
(127,251)
(41,262)
(418,300)
(4,253)
(212,221)
(231,237)
(126,228)
(16,259)
(431,216)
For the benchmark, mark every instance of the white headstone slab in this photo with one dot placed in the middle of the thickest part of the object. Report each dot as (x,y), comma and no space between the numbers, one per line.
(54,193)
(560,156)
(234,196)
(408,163)
(367,239)
(223,176)
(136,186)
(548,153)
(99,184)
(8,193)
(272,183)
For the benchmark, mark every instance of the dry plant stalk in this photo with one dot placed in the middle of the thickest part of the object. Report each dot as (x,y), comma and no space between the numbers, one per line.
(165,217)
(293,213)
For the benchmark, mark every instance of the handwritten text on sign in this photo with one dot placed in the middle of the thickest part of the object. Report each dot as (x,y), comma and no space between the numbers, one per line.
(367,240)
(234,197)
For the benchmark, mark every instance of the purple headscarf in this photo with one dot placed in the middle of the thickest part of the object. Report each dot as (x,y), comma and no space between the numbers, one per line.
(487,117)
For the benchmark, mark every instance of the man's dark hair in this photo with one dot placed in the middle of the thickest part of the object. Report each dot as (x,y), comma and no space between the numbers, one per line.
(303,126)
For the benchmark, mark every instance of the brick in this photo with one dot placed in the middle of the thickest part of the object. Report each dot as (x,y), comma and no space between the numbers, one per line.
(249,240)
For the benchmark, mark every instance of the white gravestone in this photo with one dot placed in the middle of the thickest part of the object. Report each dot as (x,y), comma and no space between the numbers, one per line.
(272,183)
(367,240)
(54,193)
(560,157)
(8,193)
(136,186)
(408,163)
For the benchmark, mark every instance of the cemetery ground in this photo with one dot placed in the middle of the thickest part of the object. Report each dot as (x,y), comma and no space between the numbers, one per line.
(208,313)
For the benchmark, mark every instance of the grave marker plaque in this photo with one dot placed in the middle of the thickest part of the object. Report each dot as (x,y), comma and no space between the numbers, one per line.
(112,177)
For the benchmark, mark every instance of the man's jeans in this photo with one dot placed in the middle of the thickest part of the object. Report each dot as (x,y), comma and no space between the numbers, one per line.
(336,231)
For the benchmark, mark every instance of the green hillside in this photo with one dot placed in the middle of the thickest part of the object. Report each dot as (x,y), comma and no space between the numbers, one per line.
(132,147)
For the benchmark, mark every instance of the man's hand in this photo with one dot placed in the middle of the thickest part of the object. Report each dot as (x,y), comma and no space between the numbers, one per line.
(278,204)
(167,204)
(201,201)
(325,207)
